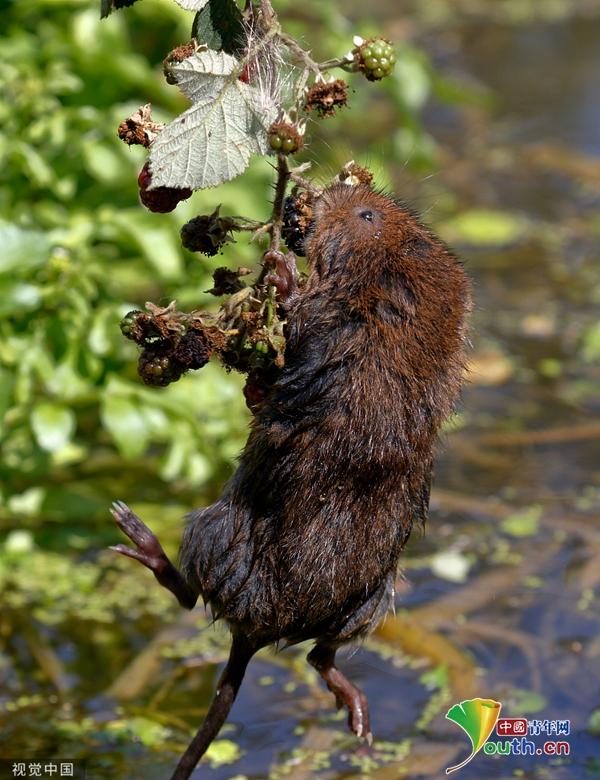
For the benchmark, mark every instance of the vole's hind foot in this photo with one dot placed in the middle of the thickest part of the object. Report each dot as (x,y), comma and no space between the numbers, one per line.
(148,549)
(285,276)
(149,552)
(346,693)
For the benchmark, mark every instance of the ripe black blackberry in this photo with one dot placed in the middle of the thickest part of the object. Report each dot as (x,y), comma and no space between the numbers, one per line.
(297,218)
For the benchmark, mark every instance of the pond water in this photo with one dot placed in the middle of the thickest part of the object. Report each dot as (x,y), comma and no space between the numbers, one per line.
(499,597)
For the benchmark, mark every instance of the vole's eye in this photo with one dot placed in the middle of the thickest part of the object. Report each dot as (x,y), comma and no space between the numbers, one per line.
(366,215)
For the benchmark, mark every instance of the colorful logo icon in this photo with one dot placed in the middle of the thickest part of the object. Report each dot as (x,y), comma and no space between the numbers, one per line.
(477,718)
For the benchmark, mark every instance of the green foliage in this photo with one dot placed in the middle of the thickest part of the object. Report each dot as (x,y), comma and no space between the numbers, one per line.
(78,252)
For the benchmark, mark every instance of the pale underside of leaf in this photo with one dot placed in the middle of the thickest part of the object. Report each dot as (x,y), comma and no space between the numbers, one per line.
(213,140)
(192,5)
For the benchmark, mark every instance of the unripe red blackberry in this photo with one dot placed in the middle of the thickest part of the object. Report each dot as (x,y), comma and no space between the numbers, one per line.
(160,199)
(376,58)
(285,138)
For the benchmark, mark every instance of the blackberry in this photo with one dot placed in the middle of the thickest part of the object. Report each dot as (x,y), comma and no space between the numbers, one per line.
(193,350)
(158,369)
(297,218)
(207,233)
(133,325)
(285,138)
(226,282)
(376,58)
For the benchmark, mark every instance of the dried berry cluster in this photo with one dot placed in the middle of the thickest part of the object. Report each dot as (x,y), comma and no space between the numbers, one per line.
(207,233)
(325,97)
(227,282)
(170,346)
(139,127)
(179,54)
(353,174)
(246,334)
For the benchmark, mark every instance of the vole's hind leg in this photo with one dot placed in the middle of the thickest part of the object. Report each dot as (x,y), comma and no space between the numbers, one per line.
(149,552)
(322,657)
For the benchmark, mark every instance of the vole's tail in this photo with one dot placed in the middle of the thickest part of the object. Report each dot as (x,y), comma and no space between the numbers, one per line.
(229,684)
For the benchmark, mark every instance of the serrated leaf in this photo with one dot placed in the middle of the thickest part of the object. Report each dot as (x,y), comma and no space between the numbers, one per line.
(219,26)
(53,425)
(192,5)
(213,141)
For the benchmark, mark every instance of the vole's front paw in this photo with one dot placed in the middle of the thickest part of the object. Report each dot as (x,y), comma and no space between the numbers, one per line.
(285,276)
(148,549)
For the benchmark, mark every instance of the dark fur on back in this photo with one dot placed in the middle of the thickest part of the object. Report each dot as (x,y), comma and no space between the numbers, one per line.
(306,538)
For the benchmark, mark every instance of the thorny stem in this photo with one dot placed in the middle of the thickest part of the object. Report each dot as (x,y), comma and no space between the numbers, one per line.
(304,56)
(283,176)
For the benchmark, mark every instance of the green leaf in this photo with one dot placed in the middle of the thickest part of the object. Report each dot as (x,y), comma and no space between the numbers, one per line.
(159,244)
(125,422)
(53,426)
(104,331)
(28,503)
(485,227)
(7,384)
(523,523)
(213,141)
(19,542)
(21,249)
(591,343)
(219,26)
(17,297)
(221,752)
(524,702)
(594,722)
(412,75)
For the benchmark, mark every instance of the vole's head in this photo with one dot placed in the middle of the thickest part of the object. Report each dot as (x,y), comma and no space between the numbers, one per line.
(354,228)
(374,254)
